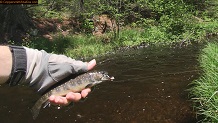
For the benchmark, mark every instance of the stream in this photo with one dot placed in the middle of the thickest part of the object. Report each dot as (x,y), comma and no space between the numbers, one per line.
(150,86)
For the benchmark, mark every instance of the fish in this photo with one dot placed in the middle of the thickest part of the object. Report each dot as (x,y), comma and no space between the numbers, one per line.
(86,80)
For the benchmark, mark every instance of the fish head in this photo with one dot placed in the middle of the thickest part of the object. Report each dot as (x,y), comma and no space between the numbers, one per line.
(99,77)
(103,76)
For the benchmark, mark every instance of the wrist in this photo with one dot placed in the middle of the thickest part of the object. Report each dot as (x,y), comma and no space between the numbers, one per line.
(5,64)
(19,65)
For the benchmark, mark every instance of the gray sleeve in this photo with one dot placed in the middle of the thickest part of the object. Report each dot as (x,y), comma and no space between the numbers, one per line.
(45,70)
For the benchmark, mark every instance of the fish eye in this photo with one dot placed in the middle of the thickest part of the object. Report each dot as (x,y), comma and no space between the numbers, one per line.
(103,72)
(105,75)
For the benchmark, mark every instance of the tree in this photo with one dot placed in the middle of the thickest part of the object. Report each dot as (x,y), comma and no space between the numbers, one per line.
(12,19)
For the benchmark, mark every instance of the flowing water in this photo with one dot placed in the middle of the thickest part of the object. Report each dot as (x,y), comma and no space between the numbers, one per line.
(149,87)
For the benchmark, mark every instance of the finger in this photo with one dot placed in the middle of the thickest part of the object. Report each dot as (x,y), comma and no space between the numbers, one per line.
(85,92)
(91,64)
(58,100)
(73,97)
(52,98)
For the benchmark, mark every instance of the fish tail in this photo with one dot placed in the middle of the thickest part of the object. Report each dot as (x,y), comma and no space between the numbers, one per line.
(35,111)
(36,108)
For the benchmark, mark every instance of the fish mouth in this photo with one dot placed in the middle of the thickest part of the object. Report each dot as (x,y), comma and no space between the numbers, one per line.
(111,78)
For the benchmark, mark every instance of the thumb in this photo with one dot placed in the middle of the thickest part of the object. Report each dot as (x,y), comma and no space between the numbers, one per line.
(91,64)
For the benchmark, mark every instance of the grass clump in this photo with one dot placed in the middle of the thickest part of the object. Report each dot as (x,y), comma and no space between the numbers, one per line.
(87,46)
(76,46)
(204,92)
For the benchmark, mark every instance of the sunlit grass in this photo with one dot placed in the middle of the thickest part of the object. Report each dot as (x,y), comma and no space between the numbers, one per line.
(76,46)
(91,50)
(205,89)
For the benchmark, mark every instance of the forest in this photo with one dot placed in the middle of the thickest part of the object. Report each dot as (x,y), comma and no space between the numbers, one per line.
(70,24)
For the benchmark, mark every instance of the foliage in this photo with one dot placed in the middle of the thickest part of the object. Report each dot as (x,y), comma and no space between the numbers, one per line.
(151,21)
(58,45)
(204,90)
(13,17)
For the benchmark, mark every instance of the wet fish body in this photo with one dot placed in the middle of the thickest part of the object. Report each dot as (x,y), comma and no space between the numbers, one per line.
(74,85)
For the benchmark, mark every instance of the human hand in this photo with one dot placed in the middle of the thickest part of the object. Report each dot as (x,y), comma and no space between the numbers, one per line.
(71,96)
(45,70)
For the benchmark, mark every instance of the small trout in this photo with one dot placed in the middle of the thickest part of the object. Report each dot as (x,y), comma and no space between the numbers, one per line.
(77,84)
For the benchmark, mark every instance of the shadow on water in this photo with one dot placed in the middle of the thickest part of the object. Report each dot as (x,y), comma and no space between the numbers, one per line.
(149,87)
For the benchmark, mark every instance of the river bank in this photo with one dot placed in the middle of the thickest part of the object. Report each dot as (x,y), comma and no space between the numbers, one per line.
(87,45)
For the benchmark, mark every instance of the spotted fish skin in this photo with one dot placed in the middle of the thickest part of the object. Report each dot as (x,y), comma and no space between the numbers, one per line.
(74,85)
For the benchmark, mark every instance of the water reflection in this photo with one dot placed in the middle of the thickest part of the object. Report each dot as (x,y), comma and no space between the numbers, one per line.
(149,86)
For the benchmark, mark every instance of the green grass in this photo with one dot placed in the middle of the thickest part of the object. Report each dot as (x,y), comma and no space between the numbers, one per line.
(76,46)
(204,92)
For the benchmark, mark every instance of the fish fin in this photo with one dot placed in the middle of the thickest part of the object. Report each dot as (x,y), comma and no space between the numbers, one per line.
(47,103)
(89,86)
